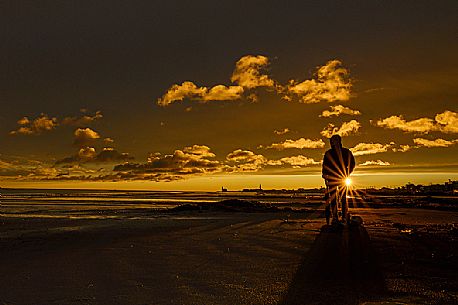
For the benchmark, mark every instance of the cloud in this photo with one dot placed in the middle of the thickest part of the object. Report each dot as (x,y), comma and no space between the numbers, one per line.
(346,129)
(12,168)
(298,161)
(77,167)
(282,132)
(338,110)
(370,148)
(188,90)
(85,136)
(108,140)
(247,75)
(35,127)
(87,153)
(223,93)
(422,125)
(245,160)
(109,154)
(331,84)
(362,149)
(43,123)
(434,143)
(90,155)
(402,148)
(83,120)
(248,72)
(16,168)
(23,121)
(192,160)
(446,122)
(200,151)
(178,93)
(376,163)
(299,143)
(252,97)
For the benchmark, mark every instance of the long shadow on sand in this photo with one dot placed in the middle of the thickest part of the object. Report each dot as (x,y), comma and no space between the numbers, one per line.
(340,268)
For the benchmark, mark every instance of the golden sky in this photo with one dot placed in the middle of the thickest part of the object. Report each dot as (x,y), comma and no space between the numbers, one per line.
(198,96)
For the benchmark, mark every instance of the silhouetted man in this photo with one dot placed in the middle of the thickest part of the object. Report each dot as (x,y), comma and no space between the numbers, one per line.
(338,164)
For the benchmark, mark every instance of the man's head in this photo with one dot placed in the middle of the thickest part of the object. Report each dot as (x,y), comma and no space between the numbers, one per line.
(336,141)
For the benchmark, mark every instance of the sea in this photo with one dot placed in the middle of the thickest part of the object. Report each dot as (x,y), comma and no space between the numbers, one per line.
(99,204)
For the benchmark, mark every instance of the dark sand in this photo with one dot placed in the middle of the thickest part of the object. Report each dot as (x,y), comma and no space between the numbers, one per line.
(400,256)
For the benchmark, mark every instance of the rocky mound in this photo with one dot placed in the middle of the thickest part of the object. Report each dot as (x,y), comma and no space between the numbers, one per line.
(229,205)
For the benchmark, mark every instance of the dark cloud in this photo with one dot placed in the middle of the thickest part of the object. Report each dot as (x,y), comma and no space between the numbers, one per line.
(89,155)
(35,127)
(192,160)
(82,121)
(245,161)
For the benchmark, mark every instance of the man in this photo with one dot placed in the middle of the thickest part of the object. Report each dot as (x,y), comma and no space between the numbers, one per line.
(338,164)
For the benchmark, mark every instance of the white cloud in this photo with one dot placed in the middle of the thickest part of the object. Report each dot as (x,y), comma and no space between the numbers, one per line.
(223,93)
(299,143)
(345,129)
(332,83)
(282,131)
(402,148)
(178,93)
(434,143)
(248,72)
(247,75)
(298,161)
(338,110)
(370,148)
(422,125)
(446,122)
(201,151)
(189,90)
(376,163)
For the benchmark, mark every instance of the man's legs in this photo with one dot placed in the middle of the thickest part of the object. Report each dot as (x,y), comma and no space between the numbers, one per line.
(344,203)
(333,192)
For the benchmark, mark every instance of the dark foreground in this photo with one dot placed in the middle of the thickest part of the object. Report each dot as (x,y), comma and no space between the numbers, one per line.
(399,256)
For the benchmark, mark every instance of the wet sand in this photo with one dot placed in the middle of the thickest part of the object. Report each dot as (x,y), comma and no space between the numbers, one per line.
(399,256)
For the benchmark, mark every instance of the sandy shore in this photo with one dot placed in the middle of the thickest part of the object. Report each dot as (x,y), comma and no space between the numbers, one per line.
(399,256)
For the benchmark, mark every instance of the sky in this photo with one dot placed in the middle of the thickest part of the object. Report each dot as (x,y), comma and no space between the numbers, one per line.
(196,95)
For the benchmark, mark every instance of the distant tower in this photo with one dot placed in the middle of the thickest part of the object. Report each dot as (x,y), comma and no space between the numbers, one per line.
(260,187)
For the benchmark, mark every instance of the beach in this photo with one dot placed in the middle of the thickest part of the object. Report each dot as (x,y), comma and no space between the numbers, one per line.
(399,256)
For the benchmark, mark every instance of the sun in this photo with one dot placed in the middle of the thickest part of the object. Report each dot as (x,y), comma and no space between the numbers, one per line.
(347,181)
